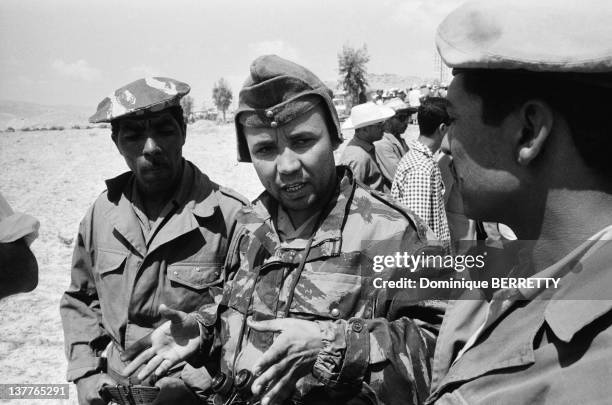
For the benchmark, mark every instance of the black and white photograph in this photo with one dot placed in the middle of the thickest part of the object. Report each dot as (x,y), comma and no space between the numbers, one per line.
(305,202)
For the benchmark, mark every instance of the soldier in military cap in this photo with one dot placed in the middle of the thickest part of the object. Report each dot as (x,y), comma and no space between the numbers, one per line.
(158,235)
(304,256)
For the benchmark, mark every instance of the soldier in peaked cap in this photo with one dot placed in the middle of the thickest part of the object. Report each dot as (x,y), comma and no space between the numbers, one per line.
(158,235)
(303,258)
(530,140)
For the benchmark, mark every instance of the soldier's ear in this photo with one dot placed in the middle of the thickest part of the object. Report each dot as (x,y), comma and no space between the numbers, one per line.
(536,119)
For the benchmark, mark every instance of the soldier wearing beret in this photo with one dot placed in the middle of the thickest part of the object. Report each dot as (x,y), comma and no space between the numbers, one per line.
(302,260)
(158,235)
(530,143)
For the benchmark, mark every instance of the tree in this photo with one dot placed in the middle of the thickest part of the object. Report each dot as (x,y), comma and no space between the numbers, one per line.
(187,104)
(222,96)
(353,74)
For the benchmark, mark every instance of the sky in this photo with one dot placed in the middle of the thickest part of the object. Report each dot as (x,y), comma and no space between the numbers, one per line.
(76,52)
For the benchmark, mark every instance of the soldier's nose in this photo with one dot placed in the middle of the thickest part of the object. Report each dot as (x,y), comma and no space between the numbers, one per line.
(151,147)
(287,163)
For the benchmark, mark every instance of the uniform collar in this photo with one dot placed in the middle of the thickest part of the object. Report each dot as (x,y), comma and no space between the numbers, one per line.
(328,235)
(195,196)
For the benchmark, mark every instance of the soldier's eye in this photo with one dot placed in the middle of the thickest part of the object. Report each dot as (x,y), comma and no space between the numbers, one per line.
(303,142)
(263,150)
(130,135)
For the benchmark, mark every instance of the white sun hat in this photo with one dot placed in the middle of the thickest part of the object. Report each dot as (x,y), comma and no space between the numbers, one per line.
(366,114)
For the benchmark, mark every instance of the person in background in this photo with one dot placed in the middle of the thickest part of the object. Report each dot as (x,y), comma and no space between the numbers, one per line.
(359,155)
(18,265)
(418,181)
(390,149)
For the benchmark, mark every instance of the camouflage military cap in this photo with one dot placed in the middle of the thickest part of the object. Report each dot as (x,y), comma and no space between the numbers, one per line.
(276,92)
(142,96)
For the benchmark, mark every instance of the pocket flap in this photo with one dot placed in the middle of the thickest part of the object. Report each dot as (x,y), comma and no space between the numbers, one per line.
(196,276)
(331,295)
(109,261)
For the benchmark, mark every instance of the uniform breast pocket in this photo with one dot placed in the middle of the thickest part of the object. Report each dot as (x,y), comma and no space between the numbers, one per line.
(109,262)
(329,295)
(195,276)
(109,274)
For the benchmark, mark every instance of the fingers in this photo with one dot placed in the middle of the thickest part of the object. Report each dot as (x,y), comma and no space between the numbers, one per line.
(163,368)
(150,367)
(273,355)
(139,346)
(138,361)
(172,315)
(269,375)
(280,391)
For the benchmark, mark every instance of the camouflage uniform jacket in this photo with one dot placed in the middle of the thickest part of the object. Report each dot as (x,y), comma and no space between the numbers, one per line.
(119,278)
(336,281)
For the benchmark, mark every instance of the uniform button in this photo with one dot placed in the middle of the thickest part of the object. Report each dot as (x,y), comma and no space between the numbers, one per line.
(274,124)
(269,113)
(175,273)
(197,268)
(335,312)
(357,326)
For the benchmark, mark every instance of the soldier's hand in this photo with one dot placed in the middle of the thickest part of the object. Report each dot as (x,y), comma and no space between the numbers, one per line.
(88,388)
(166,346)
(288,359)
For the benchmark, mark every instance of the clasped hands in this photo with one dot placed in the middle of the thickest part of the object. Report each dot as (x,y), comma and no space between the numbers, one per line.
(289,358)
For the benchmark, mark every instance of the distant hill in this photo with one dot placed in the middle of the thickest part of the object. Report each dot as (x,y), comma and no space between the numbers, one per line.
(20,114)
(386,81)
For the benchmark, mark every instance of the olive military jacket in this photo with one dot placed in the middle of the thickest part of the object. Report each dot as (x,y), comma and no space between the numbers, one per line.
(330,279)
(119,278)
(531,345)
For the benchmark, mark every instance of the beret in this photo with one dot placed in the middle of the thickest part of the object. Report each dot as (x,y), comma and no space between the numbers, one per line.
(142,96)
(276,92)
(570,36)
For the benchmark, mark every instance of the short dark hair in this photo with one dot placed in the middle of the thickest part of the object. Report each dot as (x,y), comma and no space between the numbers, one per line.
(176,112)
(431,113)
(585,107)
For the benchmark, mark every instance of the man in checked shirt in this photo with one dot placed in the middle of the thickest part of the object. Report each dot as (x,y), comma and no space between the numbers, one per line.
(418,183)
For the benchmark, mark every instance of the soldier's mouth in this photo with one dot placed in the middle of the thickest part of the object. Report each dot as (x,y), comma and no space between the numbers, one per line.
(293,188)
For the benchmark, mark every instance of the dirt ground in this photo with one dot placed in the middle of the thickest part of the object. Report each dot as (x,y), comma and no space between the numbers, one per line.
(55,176)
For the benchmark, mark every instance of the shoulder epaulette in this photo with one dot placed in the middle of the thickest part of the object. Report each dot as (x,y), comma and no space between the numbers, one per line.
(234,194)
